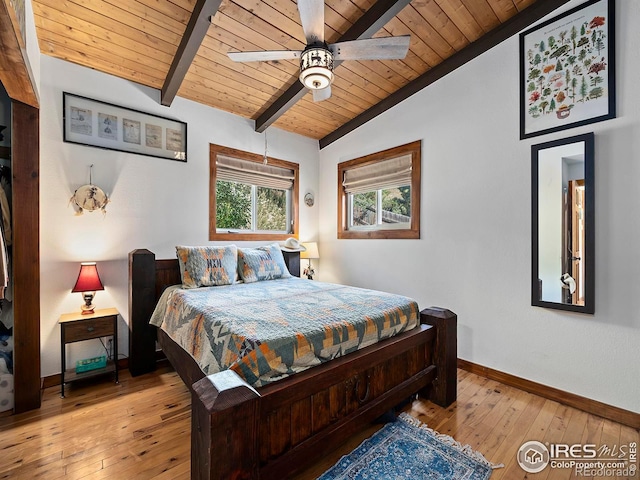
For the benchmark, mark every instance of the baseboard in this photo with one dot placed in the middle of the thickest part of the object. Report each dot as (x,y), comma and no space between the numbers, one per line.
(594,407)
(50,381)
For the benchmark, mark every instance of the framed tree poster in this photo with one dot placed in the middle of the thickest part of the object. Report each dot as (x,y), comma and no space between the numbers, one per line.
(567,74)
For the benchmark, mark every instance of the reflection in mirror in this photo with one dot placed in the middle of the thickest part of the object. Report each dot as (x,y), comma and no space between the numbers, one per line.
(562,221)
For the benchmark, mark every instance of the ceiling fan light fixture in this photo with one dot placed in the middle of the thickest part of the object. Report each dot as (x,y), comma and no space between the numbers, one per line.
(316,78)
(316,68)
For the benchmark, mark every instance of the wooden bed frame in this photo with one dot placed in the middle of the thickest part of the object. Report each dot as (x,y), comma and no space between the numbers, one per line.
(272,432)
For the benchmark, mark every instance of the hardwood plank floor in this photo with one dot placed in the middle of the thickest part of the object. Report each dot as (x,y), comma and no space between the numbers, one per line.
(139,429)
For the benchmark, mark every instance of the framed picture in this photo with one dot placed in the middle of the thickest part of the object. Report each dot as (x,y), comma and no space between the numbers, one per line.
(104,125)
(567,70)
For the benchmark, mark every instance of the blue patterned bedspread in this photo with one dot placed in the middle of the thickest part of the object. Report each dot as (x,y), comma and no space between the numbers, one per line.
(269,330)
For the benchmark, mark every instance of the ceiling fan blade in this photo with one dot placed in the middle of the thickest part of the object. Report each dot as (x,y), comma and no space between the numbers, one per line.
(264,56)
(320,95)
(383,48)
(312,19)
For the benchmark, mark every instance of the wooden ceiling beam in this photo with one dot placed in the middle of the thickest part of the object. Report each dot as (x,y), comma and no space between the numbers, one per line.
(365,27)
(195,32)
(511,27)
(15,70)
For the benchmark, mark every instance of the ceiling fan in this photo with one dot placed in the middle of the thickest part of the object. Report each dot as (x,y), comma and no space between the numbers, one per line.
(316,60)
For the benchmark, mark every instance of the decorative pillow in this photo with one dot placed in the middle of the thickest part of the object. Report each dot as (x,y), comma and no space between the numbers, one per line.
(207,266)
(261,263)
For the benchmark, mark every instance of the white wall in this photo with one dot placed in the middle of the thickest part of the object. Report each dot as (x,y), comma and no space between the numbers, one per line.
(474,255)
(155,203)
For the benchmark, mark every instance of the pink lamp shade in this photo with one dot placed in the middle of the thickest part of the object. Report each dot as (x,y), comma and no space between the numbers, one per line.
(88,283)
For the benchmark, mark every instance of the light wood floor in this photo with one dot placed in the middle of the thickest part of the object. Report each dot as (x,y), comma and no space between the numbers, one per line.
(139,429)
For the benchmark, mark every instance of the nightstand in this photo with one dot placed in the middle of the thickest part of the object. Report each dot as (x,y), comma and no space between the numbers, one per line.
(292,261)
(76,327)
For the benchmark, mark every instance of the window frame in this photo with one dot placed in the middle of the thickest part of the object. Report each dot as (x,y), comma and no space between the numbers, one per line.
(344,212)
(214,151)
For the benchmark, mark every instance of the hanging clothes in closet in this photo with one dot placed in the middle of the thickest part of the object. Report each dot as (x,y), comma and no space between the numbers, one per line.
(6,310)
(5,228)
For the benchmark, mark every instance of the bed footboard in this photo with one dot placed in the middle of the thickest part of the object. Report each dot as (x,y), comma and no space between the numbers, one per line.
(238,432)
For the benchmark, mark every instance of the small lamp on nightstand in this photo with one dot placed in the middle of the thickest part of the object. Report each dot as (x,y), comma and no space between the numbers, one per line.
(88,283)
(310,253)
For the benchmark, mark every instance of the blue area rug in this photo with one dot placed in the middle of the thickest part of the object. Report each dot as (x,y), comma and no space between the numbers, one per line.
(408,449)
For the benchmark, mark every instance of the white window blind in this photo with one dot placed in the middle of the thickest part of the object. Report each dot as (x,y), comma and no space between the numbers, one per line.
(252,173)
(395,172)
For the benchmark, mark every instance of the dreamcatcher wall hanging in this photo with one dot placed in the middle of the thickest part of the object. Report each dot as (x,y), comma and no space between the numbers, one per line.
(89,197)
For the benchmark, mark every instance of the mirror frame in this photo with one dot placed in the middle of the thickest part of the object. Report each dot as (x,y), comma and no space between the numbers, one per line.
(589,247)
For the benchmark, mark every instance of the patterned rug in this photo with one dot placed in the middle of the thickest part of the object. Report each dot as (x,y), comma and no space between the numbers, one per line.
(408,449)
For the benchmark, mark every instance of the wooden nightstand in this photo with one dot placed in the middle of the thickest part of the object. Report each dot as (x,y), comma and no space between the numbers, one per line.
(76,327)
(292,261)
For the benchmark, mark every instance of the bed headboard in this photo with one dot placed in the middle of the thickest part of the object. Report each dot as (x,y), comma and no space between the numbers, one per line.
(167,274)
(148,278)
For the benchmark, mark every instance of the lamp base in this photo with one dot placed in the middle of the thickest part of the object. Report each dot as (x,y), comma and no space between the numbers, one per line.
(88,307)
(309,271)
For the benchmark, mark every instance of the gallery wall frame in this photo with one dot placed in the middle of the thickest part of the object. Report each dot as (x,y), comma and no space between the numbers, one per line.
(567,70)
(105,125)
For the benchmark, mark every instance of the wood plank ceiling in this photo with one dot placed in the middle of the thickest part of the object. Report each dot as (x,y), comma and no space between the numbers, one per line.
(138,39)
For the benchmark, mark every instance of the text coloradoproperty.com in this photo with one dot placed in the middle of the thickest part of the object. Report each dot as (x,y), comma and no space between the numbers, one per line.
(586,465)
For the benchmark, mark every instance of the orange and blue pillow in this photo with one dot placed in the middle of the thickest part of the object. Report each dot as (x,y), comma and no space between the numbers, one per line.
(261,263)
(207,266)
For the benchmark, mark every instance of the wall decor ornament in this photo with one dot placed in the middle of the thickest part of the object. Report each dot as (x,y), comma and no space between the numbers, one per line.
(105,125)
(308,199)
(567,70)
(89,197)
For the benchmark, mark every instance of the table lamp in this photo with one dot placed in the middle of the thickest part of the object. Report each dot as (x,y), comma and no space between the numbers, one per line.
(88,283)
(310,252)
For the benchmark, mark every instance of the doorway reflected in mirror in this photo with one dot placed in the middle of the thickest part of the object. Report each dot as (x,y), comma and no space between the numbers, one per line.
(563,224)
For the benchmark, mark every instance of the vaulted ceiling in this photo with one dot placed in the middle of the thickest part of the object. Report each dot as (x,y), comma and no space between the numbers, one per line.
(180,47)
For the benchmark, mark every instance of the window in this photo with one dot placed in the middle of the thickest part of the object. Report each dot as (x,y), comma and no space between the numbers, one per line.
(379,195)
(251,200)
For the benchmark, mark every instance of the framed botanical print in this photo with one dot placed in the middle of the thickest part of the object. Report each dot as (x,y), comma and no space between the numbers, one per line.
(567,70)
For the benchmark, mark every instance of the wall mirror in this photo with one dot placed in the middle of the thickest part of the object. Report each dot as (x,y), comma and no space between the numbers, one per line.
(562,224)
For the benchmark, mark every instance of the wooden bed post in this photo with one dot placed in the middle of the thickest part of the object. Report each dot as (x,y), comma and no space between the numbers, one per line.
(445,355)
(142,301)
(224,428)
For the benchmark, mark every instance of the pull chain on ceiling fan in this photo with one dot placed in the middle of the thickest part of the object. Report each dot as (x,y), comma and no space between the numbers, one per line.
(317,58)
